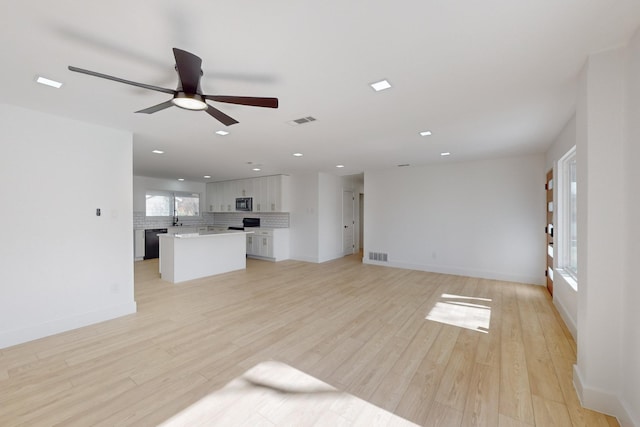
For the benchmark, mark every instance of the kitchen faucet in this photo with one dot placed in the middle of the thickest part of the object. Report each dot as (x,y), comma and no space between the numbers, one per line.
(175,220)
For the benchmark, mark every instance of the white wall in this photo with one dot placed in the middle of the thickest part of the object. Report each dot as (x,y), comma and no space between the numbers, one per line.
(565,296)
(62,266)
(631,292)
(607,376)
(142,184)
(482,219)
(599,154)
(303,217)
(330,217)
(316,215)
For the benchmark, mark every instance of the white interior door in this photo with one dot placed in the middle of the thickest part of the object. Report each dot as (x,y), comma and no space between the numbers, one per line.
(348,223)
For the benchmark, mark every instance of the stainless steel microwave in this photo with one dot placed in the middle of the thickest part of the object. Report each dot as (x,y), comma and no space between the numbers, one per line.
(244,204)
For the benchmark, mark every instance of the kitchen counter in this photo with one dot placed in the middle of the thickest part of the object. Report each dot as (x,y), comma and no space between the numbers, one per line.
(190,256)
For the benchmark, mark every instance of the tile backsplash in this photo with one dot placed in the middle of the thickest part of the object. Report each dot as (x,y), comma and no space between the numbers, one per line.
(274,220)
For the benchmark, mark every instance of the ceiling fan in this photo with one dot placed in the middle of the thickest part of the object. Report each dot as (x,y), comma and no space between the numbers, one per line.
(188,94)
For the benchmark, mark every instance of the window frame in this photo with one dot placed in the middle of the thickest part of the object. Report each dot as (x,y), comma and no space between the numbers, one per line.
(567,233)
(173,195)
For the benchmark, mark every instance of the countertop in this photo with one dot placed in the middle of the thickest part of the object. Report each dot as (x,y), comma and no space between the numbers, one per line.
(205,234)
(209,225)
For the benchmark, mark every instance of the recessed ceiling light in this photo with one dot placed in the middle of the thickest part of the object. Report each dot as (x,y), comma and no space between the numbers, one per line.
(425,133)
(180,179)
(446,153)
(339,166)
(222,132)
(158,151)
(48,82)
(207,176)
(381,85)
(297,154)
(256,169)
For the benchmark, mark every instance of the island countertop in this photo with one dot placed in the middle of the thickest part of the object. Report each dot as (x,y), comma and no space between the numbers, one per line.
(202,234)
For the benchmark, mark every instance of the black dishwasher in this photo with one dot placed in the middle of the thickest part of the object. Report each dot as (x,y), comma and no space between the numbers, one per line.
(152,242)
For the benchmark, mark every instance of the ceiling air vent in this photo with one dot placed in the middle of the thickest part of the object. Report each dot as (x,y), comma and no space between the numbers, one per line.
(302,121)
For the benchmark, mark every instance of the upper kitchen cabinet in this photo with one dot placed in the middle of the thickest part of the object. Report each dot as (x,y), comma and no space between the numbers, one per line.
(269,193)
(245,187)
(274,195)
(215,197)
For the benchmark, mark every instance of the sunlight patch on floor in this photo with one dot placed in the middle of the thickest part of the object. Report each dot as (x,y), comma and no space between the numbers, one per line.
(462,311)
(273,393)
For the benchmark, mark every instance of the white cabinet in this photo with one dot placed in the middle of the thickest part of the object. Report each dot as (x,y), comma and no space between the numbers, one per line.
(245,187)
(271,244)
(278,190)
(138,244)
(269,193)
(215,197)
(272,194)
(260,195)
(253,245)
(265,246)
(260,243)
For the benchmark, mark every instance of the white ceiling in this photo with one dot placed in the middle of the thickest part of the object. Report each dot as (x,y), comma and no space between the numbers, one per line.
(489,78)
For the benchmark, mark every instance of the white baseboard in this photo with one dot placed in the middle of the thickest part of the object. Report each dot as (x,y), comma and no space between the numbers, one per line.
(603,401)
(19,336)
(462,272)
(305,259)
(567,318)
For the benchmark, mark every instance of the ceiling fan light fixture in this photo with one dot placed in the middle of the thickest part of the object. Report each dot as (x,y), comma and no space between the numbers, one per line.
(189,101)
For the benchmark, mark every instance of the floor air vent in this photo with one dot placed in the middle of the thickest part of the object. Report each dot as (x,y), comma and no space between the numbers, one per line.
(378,256)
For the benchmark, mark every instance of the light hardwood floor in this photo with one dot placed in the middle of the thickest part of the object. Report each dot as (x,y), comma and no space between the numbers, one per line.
(431,348)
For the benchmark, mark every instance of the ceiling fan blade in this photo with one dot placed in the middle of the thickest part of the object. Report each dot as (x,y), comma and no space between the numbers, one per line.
(245,100)
(189,70)
(222,117)
(158,107)
(119,80)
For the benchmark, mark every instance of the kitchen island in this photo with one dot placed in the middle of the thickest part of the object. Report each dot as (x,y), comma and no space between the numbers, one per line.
(193,255)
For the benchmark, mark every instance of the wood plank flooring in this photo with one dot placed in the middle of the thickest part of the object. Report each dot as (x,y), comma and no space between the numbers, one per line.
(431,348)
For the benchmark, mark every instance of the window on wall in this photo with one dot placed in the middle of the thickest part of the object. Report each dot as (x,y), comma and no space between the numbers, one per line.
(158,203)
(567,215)
(165,203)
(187,204)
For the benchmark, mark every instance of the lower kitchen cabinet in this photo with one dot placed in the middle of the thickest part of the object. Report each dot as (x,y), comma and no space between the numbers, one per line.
(270,244)
(138,244)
